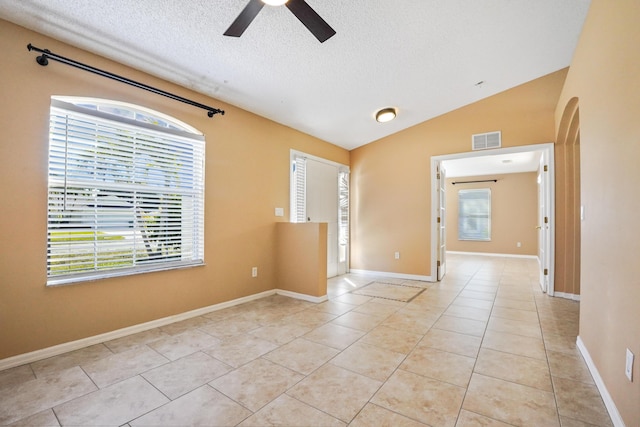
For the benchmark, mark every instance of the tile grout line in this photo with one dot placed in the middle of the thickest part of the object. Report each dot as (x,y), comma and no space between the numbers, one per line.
(404,306)
(398,366)
(466,390)
(546,357)
(390,375)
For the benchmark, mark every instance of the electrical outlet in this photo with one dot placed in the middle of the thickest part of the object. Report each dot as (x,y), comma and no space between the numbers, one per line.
(628,370)
(397,255)
(519,244)
(254,272)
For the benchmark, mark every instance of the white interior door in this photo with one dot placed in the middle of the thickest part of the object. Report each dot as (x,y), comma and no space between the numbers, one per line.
(322,205)
(442,229)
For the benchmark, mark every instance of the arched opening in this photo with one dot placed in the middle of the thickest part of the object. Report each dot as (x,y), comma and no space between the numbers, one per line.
(568,211)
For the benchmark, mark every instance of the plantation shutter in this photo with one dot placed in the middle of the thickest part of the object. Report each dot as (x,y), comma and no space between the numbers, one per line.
(122,195)
(343,215)
(299,201)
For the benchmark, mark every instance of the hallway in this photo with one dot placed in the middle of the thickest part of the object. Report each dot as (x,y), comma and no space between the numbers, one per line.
(483,347)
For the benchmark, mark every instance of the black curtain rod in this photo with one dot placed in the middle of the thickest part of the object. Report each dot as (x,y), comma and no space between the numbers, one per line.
(473,182)
(46,54)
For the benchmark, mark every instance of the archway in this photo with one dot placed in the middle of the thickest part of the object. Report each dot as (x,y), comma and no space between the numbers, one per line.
(568,210)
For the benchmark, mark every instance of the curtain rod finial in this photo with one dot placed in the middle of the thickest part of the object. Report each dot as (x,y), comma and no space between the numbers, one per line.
(42,59)
(213,112)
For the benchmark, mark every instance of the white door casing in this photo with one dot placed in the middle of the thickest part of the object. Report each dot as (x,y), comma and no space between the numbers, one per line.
(548,178)
(545,223)
(441,220)
(321,201)
(322,206)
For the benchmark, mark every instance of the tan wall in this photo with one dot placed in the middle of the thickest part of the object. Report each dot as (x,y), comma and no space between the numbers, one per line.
(391,197)
(302,258)
(605,77)
(247,176)
(514,214)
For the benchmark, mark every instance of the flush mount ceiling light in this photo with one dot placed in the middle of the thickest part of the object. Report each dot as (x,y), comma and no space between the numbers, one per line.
(386,115)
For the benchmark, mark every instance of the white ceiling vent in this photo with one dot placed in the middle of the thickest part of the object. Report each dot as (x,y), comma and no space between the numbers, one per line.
(486,141)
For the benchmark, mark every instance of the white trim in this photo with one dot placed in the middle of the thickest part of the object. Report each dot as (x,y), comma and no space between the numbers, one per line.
(604,393)
(566,295)
(548,147)
(74,103)
(340,166)
(491,254)
(304,297)
(434,209)
(393,275)
(34,356)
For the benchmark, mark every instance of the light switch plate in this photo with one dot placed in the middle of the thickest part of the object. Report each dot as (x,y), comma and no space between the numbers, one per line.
(628,370)
(279,211)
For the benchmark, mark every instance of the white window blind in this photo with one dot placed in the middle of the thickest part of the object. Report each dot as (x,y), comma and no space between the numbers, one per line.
(343,215)
(299,193)
(123,196)
(474,214)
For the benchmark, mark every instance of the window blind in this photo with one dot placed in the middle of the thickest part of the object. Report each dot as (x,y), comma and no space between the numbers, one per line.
(299,202)
(474,214)
(343,215)
(123,196)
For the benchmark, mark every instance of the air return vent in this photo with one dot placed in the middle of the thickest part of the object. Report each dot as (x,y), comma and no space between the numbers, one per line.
(486,141)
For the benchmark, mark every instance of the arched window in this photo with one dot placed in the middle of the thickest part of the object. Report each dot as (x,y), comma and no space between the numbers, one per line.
(125,191)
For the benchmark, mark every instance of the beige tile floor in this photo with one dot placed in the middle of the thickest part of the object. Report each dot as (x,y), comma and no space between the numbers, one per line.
(482,348)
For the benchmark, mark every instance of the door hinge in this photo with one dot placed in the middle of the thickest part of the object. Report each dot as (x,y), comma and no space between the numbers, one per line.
(546,220)
(546,168)
(546,271)
(438,263)
(438,176)
(438,220)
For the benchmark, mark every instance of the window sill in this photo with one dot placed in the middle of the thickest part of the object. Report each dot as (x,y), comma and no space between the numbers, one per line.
(94,276)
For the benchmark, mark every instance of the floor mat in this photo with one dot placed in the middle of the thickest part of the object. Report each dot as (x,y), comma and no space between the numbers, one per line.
(389,291)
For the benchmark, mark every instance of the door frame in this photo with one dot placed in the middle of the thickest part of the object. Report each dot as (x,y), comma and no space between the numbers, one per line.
(341,168)
(441,222)
(548,149)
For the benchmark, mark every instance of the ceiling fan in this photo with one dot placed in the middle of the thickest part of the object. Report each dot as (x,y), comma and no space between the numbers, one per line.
(318,27)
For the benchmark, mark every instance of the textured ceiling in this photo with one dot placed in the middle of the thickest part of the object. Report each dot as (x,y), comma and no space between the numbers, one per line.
(424,57)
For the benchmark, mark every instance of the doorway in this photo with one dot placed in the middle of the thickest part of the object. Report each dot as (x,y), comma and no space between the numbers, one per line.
(545,205)
(320,193)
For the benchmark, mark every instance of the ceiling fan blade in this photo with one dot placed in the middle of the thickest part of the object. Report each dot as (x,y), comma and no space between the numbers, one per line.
(245,18)
(311,19)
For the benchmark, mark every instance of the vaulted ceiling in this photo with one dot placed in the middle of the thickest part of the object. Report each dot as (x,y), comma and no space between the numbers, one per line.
(423,57)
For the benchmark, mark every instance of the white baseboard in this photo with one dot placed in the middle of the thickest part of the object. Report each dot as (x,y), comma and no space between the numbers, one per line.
(492,254)
(392,275)
(304,297)
(606,397)
(34,356)
(567,295)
